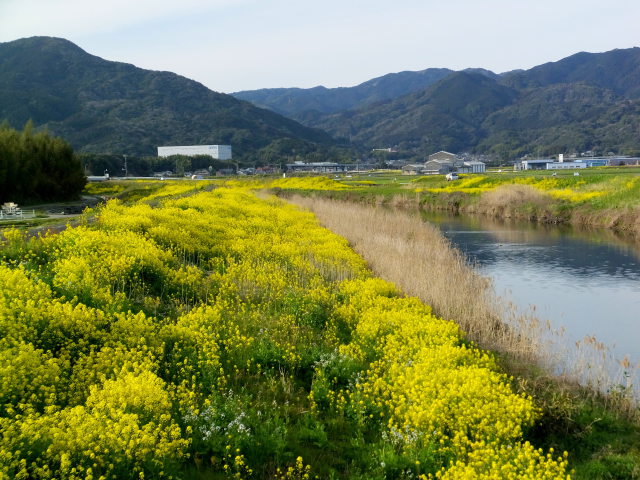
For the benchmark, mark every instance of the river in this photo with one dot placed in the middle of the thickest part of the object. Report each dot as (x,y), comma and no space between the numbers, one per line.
(585,282)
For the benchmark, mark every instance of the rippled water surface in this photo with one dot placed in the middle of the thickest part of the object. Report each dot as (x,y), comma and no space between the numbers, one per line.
(587,282)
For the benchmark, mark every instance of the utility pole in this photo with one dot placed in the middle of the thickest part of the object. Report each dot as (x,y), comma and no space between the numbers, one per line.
(125,165)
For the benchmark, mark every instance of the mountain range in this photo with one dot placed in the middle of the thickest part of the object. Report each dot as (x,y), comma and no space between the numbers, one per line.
(102,106)
(588,101)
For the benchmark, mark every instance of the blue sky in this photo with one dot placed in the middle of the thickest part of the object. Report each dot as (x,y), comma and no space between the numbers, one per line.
(232,45)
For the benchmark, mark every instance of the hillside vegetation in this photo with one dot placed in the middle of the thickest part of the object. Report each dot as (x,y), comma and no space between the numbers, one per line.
(216,333)
(101,106)
(583,102)
(301,103)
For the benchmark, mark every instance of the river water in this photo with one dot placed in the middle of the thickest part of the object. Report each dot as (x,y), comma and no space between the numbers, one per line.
(587,283)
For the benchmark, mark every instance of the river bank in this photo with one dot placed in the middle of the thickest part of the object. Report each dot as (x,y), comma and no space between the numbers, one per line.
(522,202)
(415,256)
(288,333)
(596,199)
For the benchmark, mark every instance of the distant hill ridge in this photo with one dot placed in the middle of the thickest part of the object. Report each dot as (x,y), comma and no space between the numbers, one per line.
(617,70)
(295,101)
(588,101)
(583,102)
(110,107)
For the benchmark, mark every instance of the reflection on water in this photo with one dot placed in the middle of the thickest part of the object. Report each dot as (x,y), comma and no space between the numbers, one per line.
(587,282)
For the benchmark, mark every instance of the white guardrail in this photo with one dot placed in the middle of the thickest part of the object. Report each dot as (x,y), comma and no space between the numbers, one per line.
(16,214)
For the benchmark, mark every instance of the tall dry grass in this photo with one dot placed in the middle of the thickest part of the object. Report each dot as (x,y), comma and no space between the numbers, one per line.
(414,255)
(622,220)
(505,200)
(421,262)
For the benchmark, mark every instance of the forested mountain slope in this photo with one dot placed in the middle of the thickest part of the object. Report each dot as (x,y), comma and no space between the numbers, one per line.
(111,107)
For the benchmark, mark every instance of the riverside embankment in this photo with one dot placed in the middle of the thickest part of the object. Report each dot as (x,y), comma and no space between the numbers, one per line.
(189,332)
(197,333)
(598,421)
(596,198)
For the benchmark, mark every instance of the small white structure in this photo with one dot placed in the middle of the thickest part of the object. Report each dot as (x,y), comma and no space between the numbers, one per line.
(219,152)
(10,210)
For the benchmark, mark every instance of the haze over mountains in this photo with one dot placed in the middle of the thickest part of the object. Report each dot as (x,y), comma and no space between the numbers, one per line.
(583,102)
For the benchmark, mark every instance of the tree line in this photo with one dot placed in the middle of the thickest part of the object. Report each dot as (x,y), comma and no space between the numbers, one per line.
(278,153)
(35,166)
(144,166)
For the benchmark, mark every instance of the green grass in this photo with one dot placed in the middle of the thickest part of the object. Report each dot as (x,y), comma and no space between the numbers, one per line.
(603,444)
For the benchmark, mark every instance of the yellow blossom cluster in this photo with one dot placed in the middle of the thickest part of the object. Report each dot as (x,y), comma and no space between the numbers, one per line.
(566,188)
(299,471)
(517,462)
(429,386)
(198,328)
(291,183)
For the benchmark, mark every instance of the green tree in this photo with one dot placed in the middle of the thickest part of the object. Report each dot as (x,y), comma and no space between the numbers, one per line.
(37,166)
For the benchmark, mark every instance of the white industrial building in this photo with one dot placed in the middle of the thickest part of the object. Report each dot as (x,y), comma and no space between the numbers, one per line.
(564,165)
(560,164)
(219,152)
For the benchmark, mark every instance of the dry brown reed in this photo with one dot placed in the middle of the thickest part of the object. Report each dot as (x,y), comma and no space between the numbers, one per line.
(420,261)
(624,221)
(505,200)
(414,255)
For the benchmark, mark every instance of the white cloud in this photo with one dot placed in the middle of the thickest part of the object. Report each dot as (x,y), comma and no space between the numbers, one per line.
(72,18)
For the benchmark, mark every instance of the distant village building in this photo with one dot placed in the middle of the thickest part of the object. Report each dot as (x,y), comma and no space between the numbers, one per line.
(535,164)
(414,169)
(443,163)
(596,162)
(218,152)
(318,167)
(472,166)
(388,150)
(561,164)
(267,170)
(397,163)
(621,161)
(566,165)
(201,173)
(440,166)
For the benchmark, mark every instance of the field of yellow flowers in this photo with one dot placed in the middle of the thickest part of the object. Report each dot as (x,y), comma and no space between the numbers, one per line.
(216,333)
(607,189)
